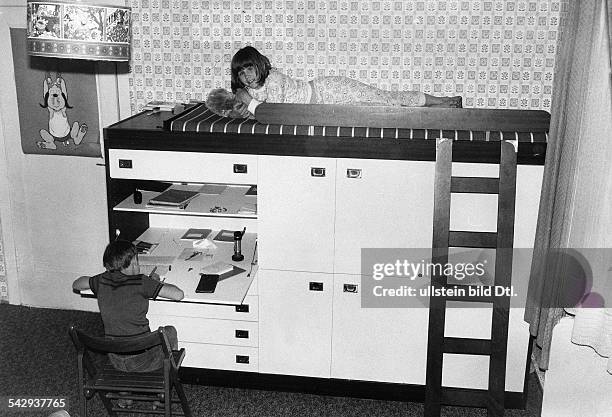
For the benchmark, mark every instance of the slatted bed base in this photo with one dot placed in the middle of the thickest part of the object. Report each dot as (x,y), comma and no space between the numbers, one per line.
(371,122)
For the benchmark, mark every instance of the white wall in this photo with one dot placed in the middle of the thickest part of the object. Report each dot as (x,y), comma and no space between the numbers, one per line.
(52,208)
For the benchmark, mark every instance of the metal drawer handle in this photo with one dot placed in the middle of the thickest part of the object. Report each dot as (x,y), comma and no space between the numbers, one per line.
(125,163)
(242,334)
(315,286)
(242,359)
(243,308)
(240,168)
(353,173)
(353,288)
(317,172)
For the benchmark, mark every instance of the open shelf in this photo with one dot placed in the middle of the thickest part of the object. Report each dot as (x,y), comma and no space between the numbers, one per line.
(231,202)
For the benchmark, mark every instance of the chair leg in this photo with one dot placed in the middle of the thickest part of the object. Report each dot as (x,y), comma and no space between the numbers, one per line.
(108,404)
(83,404)
(184,404)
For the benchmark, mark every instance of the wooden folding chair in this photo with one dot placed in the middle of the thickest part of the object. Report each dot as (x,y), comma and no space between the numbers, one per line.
(142,387)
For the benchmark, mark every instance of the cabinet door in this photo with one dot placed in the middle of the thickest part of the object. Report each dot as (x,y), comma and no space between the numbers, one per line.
(376,344)
(381,204)
(296,213)
(295,323)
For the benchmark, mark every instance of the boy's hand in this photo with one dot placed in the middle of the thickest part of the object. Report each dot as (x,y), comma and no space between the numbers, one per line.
(154,276)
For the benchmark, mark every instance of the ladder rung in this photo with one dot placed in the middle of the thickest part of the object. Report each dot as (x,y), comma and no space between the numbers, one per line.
(467,346)
(477,185)
(464,397)
(472,239)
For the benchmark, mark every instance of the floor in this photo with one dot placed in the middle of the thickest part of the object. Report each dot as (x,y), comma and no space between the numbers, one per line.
(39,360)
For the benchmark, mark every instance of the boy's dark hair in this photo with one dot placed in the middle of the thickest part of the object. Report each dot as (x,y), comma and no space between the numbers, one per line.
(246,57)
(118,255)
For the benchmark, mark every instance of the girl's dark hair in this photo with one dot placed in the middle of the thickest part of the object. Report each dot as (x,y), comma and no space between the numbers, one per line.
(118,255)
(245,57)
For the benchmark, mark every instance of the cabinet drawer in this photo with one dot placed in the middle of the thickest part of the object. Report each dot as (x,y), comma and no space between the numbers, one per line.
(198,330)
(183,166)
(248,311)
(233,358)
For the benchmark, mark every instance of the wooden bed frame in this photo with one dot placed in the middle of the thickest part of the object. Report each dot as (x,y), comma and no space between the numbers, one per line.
(404,117)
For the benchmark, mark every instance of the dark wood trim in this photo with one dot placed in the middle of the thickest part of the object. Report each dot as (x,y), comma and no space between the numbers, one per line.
(331,386)
(404,117)
(146,132)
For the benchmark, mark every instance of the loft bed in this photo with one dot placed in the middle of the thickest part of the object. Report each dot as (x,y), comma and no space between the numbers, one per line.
(322,124)
(475,129)
(358,132)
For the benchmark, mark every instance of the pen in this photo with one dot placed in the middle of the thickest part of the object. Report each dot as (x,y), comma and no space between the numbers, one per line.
(153,271)
(243,231)
(253,261)
(193,255)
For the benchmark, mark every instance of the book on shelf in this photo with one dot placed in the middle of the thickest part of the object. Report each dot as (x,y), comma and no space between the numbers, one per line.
(160,105)
(248,209)
(173,198)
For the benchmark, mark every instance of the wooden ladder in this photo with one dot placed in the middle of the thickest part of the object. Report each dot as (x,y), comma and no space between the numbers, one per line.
(502,242)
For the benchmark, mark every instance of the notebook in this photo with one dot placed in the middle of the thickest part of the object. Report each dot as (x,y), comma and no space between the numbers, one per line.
(173,198)
(195,234)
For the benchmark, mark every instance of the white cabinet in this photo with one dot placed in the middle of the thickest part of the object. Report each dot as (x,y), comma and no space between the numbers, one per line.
(225,333)
(381,204)
(182,166)
(376,344)
(296,213)
(295,323)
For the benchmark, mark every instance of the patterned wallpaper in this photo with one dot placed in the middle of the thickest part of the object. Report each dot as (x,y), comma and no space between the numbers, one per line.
(496,54)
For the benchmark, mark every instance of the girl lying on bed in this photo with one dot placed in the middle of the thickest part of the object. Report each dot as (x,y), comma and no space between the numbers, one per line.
(254,81)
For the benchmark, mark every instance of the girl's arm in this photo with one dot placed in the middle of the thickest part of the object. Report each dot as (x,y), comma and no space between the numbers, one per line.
(245,97)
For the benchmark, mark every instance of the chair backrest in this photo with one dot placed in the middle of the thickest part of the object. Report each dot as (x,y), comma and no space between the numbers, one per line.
(83,341)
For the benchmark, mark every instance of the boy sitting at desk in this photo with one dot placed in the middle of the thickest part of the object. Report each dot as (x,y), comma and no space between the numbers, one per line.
(123,299)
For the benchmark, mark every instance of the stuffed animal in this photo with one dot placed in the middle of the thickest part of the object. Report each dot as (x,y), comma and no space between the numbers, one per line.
(221,102)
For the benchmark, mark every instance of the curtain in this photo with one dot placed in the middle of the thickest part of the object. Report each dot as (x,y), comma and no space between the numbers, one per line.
(593,326)
(575,202)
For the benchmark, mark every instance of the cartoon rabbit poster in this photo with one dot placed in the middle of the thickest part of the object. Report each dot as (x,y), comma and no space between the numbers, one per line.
(58,103)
